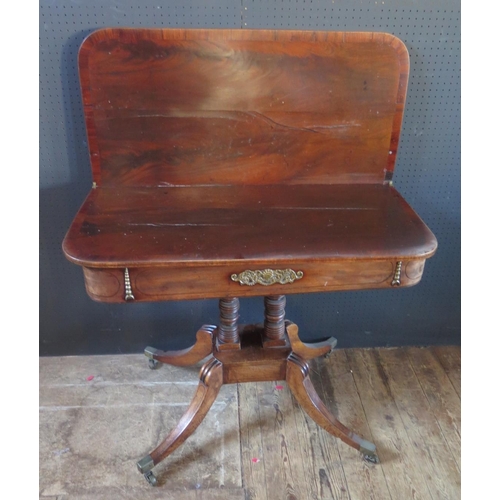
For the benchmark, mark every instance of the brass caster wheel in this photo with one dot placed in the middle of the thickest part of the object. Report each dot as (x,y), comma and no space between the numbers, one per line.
(151,478)
(153,364)
(371,458)
(328,354)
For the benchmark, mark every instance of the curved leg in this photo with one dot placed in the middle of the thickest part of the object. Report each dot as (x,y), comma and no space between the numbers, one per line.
(185,357)
(297,376)
(208,388)
(308,351)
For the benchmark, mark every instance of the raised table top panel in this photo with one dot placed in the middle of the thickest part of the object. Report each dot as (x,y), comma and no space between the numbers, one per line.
(192,107)
(221,157)
(193,226)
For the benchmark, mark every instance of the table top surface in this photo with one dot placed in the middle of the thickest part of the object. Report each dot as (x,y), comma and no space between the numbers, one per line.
(208,107)
(219,146)
(130,227)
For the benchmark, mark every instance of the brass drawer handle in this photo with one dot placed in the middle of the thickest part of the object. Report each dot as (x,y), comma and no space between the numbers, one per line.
(267,277)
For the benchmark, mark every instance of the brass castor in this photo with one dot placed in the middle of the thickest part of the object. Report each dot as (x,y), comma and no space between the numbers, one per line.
(153,364)
(371,458)
(151,478)
(145,465)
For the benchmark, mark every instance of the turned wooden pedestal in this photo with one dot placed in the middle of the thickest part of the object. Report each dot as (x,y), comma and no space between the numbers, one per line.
(250,353)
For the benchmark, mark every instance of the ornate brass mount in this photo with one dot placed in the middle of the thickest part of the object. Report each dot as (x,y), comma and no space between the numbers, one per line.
(267,277)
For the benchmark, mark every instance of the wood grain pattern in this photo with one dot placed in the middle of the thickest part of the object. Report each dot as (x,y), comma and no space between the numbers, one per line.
(104,284)
(191,355)
(323,468)
(190,282)
(308,351)
(256,359)
(284,469)
(440,394)
(218,151)
(245,224)
(297,377)
(253,362)
(253,460)
(269,421)
(175,107)
(430,446)
(341,237)
(450,359)
(405,478)
(335,383)
(208,388)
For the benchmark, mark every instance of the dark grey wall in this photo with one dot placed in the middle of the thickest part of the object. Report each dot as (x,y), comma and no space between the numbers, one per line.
(427,174)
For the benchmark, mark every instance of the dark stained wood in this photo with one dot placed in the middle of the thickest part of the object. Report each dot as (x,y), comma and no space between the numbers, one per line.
(308,351)
(274,321)
(255,362)
(221,152)
(176,107)
(227,333)
(240,225)
(341,237)
(297,377)
(191,282)
(190,356)
(208,388)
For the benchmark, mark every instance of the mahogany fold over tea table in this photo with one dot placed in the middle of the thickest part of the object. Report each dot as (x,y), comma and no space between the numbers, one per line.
(235,163)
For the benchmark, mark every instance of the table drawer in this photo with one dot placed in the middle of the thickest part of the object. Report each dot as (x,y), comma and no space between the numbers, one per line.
(243,280)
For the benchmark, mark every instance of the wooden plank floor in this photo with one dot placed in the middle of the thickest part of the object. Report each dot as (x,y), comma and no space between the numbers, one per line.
(99,414)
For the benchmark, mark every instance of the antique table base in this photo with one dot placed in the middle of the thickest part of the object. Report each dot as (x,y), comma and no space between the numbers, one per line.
(250,353)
